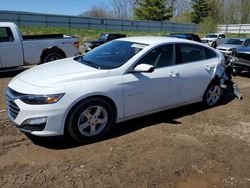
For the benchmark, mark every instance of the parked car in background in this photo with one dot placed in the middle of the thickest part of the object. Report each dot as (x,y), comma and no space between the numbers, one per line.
(103,38)
(229,45)
(241,57)
(189,36)
(120,80)
(214,39)
(17,50)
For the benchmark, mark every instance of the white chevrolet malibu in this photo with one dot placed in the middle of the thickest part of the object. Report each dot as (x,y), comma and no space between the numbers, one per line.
(126,78)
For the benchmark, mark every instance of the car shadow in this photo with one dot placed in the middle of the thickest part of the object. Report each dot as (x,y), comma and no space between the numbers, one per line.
(169,117)
(11,73)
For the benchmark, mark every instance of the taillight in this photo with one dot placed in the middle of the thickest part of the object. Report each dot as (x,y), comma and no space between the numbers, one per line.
(77,44)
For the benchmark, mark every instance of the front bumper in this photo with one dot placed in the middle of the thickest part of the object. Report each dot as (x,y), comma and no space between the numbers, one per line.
(241,63)
(54,113)
(19,112)
(207,43)
(226,52)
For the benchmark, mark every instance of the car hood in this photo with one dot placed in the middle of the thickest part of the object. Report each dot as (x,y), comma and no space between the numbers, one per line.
(60,73)
(228,46)
(244,50)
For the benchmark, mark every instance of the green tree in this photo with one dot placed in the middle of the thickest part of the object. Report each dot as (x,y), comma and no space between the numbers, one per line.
(200,10)
(157,10)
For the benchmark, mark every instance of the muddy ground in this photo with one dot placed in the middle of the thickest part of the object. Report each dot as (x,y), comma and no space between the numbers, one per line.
(186,147)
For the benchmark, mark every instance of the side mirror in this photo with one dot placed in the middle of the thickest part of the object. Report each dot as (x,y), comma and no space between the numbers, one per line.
(144,68)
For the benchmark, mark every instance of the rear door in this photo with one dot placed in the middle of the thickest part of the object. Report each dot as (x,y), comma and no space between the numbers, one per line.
(196,68)
(11,53)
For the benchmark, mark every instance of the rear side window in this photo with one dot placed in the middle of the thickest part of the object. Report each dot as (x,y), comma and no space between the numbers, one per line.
(186,53)
(6,34)
(210,54)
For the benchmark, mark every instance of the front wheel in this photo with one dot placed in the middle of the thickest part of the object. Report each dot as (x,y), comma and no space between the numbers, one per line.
(212,95)
(90,120)
(214,45)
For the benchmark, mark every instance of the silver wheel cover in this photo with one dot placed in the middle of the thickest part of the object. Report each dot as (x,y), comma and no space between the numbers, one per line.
(92,121)
(213,95)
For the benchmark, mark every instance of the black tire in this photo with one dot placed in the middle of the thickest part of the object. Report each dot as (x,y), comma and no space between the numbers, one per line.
(72,124)
(52,56)
(213,94)
(214,45)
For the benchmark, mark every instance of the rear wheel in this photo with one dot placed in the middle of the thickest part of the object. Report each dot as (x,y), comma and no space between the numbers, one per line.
(52,56)
(212,95)
(90,120)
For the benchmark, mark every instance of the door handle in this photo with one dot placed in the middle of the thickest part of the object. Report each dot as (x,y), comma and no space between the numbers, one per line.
(173,74)
(208,68)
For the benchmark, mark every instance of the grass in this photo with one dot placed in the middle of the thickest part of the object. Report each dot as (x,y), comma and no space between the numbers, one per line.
(86,34)
(83,34)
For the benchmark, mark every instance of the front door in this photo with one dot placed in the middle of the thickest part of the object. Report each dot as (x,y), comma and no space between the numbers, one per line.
(147,92)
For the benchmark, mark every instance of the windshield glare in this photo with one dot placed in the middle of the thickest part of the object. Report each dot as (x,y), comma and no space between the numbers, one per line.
(234,41)
(212,36)
(111,55)
(103,37)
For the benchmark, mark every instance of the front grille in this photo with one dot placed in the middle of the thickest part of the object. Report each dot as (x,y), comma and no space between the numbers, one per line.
(242,56)
(12,108)
(204,41)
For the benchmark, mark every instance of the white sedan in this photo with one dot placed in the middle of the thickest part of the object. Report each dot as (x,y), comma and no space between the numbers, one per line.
(126,78)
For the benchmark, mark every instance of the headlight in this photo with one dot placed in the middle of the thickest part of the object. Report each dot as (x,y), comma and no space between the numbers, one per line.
(41,99)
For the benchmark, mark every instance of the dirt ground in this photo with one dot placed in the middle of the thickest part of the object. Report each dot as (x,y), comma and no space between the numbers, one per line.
(186,147)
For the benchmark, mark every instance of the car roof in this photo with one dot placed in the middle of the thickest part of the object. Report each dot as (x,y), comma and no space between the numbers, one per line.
(4,24)
(216,34)
(154,40)
(182,34)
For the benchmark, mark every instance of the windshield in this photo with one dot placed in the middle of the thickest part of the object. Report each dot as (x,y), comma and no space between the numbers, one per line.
(247,42)
(103,37)
(111,55)
(211,36)
(234,41)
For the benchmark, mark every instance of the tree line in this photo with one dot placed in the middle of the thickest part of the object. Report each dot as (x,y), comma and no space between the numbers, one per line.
(209,12)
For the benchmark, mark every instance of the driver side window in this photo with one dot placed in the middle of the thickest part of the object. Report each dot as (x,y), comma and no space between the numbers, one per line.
(159,57)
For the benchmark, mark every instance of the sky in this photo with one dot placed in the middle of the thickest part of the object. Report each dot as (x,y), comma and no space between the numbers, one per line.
(65,7)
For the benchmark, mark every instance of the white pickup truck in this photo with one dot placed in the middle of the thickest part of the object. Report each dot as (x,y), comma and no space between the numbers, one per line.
(17,50)
(214,39)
